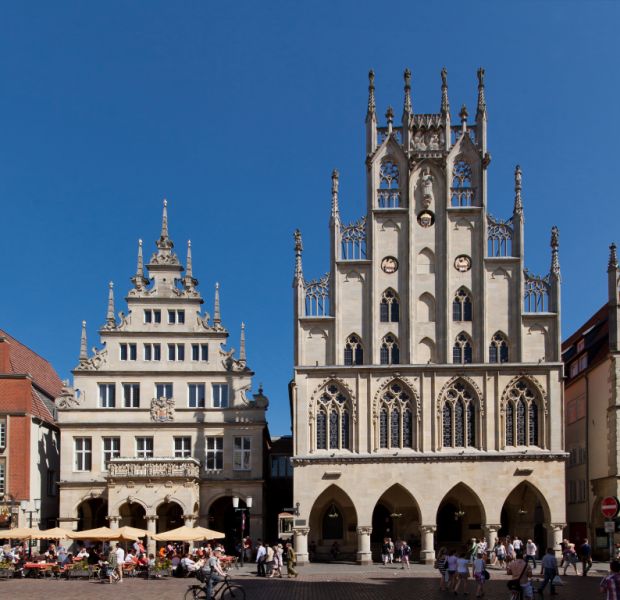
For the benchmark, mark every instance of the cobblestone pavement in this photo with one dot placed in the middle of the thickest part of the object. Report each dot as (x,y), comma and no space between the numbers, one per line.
(315,582)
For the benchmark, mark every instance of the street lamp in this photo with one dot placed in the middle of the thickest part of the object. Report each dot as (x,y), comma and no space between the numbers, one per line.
(37,507)
(243,511)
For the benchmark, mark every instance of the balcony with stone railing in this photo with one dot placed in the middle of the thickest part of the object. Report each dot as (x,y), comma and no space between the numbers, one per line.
(155,467)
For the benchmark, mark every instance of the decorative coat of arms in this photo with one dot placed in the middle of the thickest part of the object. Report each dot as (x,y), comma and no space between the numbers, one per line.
(162,409)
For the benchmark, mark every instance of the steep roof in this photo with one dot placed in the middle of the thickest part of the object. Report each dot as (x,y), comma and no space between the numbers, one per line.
(23,361)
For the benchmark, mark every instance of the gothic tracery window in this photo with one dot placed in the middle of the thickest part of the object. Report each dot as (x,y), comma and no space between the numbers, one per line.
(389,309)
(395,420)
(388,194)
(498,349)
(333,420)
(499,237)
(462,190)
(462,350)
(521,413)
(389,352)
(461,306)
(353,351)
(459,417)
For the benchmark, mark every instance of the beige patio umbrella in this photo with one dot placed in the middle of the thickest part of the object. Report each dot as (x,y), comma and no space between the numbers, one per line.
(19,533)
(189,534)
(100,533)
(127,533)
(57,533)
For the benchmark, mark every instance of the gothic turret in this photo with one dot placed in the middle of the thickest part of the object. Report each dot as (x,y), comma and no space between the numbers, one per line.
(110,321)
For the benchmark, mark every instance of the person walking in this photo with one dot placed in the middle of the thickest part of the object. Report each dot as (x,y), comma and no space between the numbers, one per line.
(215,571)
(261,557)
(530,552)
(441,563)
(550,569)
(291,561)
(462,573)
(479,569)
(405,553)
(586,557)
(611,584)
(120,560)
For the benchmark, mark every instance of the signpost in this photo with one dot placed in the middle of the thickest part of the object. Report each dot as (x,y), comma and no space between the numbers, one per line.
(609,508)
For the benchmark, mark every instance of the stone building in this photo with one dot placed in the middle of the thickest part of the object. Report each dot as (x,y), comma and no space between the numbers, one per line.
(591,397)
(29,439)
(427,391)
(158,429)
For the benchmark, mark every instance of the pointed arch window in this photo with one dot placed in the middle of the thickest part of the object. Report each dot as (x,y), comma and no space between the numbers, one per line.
(498,348)
(390,354)
(332,420)
(388,194)
(389,309)
(462,350)
(353,351)
(521,410)
(396,418)
(462,190)
(459,415)
(461,306)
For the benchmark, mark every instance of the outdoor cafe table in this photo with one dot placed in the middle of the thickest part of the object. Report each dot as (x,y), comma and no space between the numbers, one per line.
(39,568)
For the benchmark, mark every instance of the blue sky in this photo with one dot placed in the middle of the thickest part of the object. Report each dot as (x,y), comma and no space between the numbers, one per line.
(238,112)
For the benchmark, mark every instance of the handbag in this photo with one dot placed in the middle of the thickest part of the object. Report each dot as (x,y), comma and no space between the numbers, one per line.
(515,584)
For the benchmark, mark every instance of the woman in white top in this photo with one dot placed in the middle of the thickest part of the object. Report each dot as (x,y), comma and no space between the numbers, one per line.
(479,574)
(462,573)
(82,554)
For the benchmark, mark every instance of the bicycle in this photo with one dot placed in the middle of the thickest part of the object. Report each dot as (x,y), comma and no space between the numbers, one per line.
(222,590)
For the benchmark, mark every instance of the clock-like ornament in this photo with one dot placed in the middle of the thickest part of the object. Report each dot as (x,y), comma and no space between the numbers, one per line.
(462,263)
(389,265)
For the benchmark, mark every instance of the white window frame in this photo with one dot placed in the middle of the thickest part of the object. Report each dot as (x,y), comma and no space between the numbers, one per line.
(168,387)
(132,401)
(217,400)
(152,348)
(2,434)
(114,451)
(104,400)
(214,452)
(197,403)
(144,446)
(82,454)
(185,446)
(176,352)
(242,453)
(201,352)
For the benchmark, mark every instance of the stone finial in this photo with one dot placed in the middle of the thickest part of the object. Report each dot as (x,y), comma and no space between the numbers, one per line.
(335,207)
(463,114)
(518,207)
(389,115)
(217,318)
(298,250)
(139,280)
(407,108)
(482,104)
(242,343)
(555,245)
(110,321)
(188,267)
(445,104)
(370,113)
(612,265)
(83,344)
(164,242)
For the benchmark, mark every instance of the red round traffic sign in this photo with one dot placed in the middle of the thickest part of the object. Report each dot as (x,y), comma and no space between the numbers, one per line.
(609,507)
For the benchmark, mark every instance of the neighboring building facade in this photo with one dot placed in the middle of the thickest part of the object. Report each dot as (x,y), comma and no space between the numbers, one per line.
(427,392)
(592,397)
(29,438)
(279,489)
(157,431)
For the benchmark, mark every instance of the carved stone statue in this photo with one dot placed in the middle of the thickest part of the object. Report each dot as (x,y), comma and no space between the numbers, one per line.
(427,188)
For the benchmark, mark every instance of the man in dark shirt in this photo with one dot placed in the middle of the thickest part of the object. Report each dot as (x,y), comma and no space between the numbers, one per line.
(550,569)
(586,557)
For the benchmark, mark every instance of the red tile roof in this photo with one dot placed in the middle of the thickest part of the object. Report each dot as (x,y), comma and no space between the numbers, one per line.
(24,361)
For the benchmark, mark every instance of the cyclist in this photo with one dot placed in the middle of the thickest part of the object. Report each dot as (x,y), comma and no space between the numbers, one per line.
(214,570)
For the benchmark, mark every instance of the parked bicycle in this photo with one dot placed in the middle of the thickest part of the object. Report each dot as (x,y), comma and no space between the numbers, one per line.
(222,590)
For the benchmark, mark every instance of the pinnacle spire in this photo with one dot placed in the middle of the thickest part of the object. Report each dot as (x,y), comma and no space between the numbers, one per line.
(83,344)
(613,258)
(335,207)
(298,250)
(164,242)
(407,109)
(445,104)
(242,343)
(110,322)
(188,267)
(389,115)
(555,244)
(139,280)
(518,208)
(482,104)
(370,113)
(217,318)
(464,114)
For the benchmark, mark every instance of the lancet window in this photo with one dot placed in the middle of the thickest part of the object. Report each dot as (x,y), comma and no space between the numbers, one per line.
(353,351)
(521,412)
(396,418)
(461,306)
(536,293)
(388,194)
(353,240)
(499,237)
(333,430)
(462,190)
(462,350)
(498,348)
(459,414)
(389,309)
(390,354)
(317,297)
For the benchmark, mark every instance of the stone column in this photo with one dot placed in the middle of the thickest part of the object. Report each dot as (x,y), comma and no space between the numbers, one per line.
(301,544)
(188,520)
(490,532)
(555,537)
(427,554)
(151,521)
(113,520)
(364,555)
